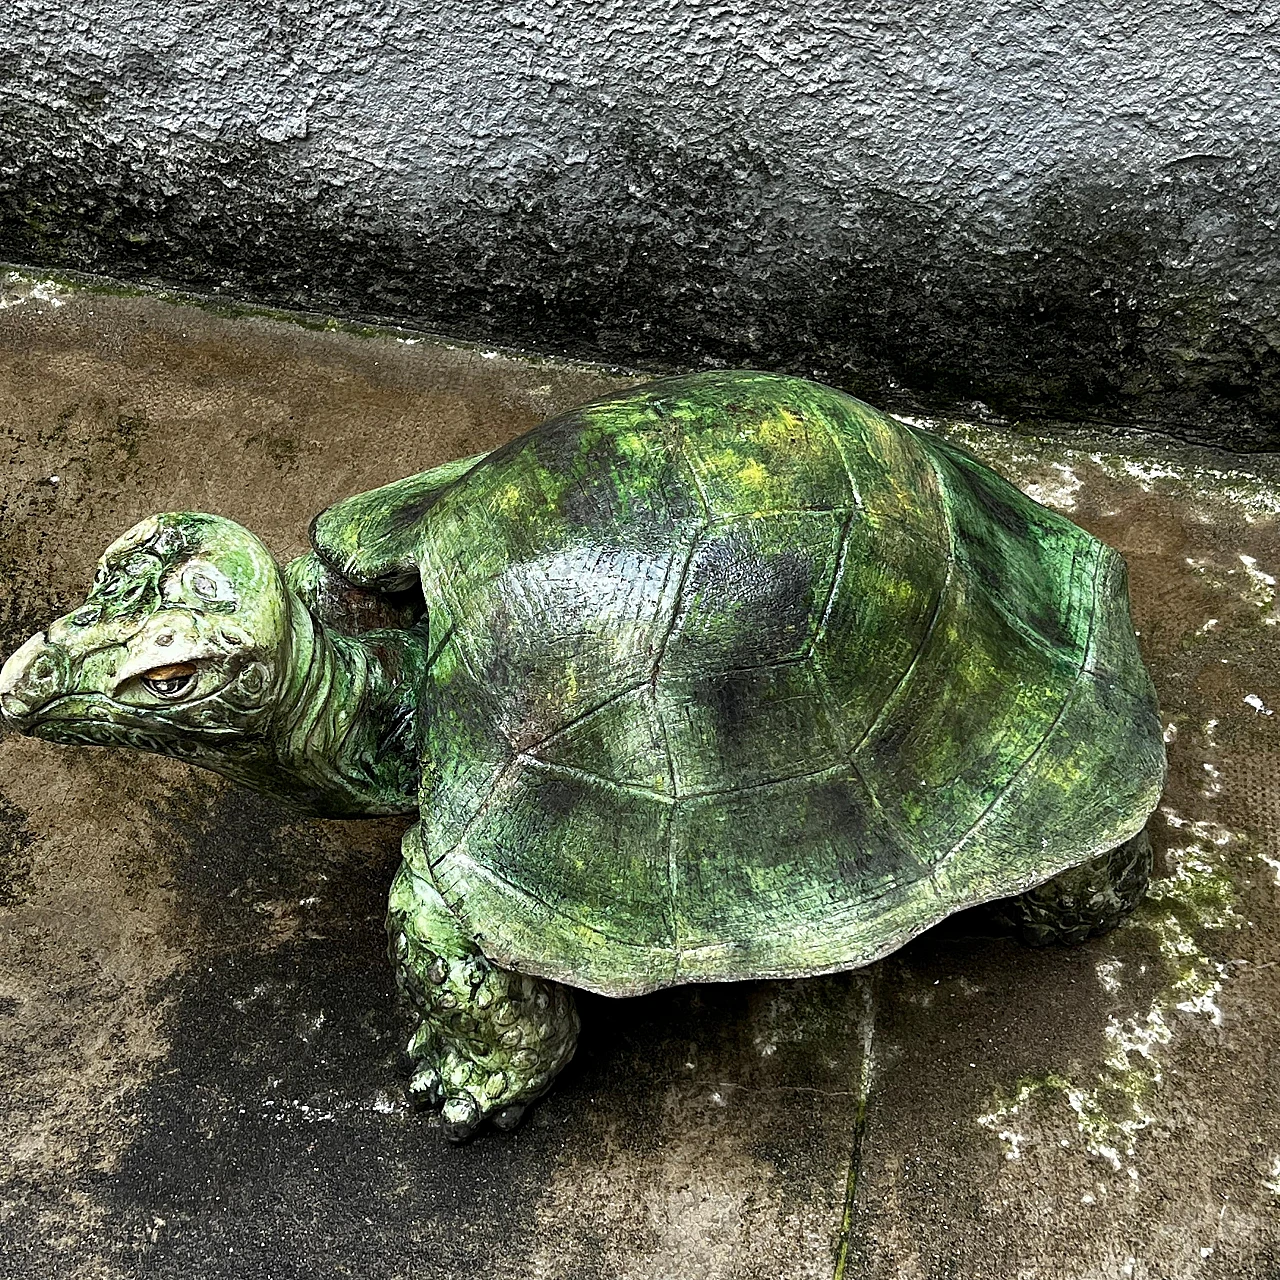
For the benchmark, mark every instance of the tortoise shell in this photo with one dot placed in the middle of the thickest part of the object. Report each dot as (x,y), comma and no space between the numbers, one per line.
(735,676)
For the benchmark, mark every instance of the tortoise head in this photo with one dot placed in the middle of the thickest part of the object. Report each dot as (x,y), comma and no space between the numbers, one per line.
(180,648)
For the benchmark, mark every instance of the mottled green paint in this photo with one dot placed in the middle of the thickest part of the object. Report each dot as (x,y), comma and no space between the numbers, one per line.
(695,616)
(375,539)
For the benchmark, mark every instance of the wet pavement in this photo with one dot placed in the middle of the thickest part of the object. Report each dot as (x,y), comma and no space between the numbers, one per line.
(199,1049)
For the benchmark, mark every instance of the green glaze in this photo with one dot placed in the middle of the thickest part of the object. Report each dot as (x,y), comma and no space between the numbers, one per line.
(725,676)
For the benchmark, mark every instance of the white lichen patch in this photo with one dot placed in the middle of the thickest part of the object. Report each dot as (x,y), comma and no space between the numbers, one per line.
(1143,1038)
(1005,1110)
(1261,590)
(1211,488)
(1115,1101)
(1108,972)
(1271,1181)
(1243,578)
(283,1109)
(17,289)
(1021,456)
(1058,492)
(1145,472)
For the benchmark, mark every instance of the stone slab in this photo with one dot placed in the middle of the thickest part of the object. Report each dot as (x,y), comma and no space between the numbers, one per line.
(200,1057)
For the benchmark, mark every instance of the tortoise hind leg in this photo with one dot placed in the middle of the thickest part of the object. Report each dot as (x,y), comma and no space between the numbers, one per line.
(1084,901)
(488,1041)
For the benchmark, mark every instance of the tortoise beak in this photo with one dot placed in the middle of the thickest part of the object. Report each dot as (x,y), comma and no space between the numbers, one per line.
(33,676)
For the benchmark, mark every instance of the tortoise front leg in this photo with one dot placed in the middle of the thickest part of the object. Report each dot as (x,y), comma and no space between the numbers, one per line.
(488,1041)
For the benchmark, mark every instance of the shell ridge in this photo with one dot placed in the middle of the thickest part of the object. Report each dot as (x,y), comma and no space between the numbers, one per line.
(742,517)
(492,787)
(939,600)
(435,650)
(905,841)
(442,587)
(838,445)
(486,873)
(551,738)
(1109,559)
(842,556)
(777,663)
(673,916)
(1068,698)
(672,623)
(1101,555)
(697,481)
(661,718)
(834,770)
(595,779)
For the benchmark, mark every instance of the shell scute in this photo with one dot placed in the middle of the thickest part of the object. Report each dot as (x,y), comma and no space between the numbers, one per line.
(894,569)
(601,874)
(728,730)
(754,455)
(622,741)
(782,900)
(755,591)
(507,548)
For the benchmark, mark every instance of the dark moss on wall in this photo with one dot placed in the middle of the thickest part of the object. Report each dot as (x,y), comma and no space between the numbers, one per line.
(1096,298)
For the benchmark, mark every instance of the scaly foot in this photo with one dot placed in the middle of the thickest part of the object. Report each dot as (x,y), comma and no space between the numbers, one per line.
(489,1041)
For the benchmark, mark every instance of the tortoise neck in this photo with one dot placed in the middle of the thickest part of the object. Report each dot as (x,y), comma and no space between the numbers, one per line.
(345,734)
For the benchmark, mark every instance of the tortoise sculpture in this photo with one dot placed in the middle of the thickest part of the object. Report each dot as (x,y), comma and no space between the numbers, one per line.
(727,676)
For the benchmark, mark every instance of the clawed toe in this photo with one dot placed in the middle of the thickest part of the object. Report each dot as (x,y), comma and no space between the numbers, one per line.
(460,1118)
(425,1086)
(468,1097)
(487,1041)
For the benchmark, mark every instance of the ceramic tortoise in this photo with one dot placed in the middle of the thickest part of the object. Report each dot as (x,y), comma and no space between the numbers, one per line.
(726,676)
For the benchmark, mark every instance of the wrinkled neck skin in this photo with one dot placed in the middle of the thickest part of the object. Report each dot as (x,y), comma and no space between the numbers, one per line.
(343,737)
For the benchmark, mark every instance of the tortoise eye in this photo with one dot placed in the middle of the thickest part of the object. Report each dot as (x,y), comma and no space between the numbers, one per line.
(170,682)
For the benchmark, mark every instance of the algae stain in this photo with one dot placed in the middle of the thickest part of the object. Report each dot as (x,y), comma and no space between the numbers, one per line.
(1058,492)
(1114,1101)
(507,500)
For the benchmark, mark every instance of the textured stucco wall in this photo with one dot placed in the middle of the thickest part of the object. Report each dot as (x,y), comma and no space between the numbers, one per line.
(1051,207)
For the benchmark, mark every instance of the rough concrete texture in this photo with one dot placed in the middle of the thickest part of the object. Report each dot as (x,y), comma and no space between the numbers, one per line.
(200,1056)
(1061,208)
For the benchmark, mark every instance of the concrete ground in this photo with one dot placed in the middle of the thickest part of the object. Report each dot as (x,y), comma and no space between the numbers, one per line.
(200,1060)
